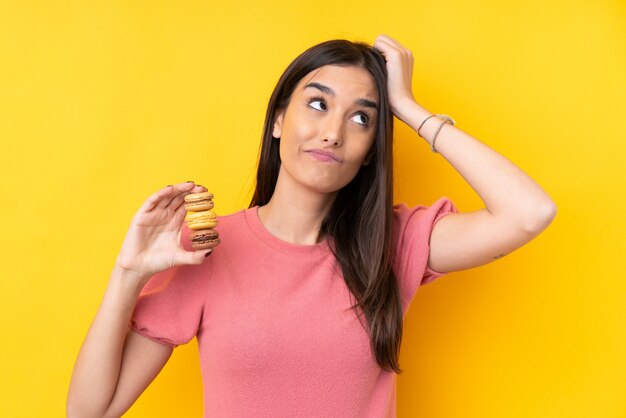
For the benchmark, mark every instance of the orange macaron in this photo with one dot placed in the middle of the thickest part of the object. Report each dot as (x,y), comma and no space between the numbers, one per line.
(196,202)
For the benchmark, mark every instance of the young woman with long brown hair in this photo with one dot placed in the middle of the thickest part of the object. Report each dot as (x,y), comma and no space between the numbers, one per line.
(299,311)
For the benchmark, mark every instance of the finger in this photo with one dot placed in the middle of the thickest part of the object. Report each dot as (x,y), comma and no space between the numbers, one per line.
(391,41)
(180,200)
(382,38)
(198,188)
(180,231)
(390,47)
(179,216)
(177,201)
(180,211)
(385,50)
(385,43)
(190,257)
(176,190)
(151,202)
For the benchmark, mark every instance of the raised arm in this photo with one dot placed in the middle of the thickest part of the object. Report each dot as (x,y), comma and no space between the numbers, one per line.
(516,208)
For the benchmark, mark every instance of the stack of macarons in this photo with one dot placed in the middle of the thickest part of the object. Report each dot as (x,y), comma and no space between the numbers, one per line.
(201,219)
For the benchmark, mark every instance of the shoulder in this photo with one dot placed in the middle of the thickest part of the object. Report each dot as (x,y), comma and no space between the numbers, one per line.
(412,229)
(420,217)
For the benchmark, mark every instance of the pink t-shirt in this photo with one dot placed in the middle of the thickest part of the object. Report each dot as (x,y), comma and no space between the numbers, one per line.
(276,334)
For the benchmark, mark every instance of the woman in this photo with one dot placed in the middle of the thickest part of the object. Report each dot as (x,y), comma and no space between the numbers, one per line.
(300,310)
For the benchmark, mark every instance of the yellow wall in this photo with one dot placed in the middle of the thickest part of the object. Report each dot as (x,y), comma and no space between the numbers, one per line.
(102,103)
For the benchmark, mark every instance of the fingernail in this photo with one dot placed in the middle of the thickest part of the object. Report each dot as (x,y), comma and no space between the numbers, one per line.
(190,181)
(209,253)
(168,185)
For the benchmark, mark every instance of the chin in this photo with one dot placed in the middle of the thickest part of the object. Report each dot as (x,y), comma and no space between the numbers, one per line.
(319,184)
(324,186)
(321,189)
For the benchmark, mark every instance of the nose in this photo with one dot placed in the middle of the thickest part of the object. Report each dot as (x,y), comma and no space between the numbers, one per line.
(331,141)
(332,131)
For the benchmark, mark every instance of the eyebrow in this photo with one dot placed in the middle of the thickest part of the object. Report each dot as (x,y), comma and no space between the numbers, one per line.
(325,89)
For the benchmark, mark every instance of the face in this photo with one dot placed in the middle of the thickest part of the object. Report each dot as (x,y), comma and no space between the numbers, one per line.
(331,110)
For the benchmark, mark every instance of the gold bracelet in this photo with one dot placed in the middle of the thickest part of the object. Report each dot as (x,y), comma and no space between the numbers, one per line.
(446,119)
(422,124)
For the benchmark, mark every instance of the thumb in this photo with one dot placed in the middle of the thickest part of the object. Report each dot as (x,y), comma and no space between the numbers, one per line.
(183,257)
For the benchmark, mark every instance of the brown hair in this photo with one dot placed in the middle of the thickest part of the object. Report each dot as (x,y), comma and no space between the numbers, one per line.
(360,219)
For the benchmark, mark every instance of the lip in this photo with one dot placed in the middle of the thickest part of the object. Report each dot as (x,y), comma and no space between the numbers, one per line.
(324,155)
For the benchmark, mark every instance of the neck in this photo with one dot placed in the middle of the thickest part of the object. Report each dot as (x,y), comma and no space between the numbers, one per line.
(295,213)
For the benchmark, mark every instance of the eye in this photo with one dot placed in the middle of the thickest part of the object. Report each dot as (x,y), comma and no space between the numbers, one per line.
(366,119)
(317,99)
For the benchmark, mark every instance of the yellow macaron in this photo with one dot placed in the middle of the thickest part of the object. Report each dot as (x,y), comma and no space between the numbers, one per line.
(205,219)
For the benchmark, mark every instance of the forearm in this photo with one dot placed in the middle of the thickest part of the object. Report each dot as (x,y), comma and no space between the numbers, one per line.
(505,189)
(98,364)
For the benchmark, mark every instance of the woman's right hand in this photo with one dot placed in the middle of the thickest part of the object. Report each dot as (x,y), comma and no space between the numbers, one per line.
(152,243)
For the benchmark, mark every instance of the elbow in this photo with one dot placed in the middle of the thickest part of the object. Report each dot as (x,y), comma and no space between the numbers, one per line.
(541,218)
(72,410)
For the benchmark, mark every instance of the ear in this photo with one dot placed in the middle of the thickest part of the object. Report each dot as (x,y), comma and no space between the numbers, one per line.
(278,124)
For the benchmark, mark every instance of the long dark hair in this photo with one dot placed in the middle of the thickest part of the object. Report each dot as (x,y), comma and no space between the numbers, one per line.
(360,219)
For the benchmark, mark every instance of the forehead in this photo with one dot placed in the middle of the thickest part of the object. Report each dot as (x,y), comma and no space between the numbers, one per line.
(344,80)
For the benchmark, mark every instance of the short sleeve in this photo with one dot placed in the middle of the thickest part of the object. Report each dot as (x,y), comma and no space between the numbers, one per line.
(170,306)
(412,228)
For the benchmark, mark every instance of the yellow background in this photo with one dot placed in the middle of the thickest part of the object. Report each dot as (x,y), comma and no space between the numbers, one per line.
(103,103)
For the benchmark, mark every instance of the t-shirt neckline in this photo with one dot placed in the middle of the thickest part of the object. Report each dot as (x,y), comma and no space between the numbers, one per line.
(257,227)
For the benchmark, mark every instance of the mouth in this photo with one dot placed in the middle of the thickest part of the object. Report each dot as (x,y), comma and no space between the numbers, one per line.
(325,156)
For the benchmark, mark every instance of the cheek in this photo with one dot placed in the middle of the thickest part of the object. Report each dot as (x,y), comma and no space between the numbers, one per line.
(365,144)
(304,132)
(300,129)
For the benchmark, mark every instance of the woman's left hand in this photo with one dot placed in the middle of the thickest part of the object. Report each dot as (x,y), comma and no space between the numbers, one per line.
(400,72)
